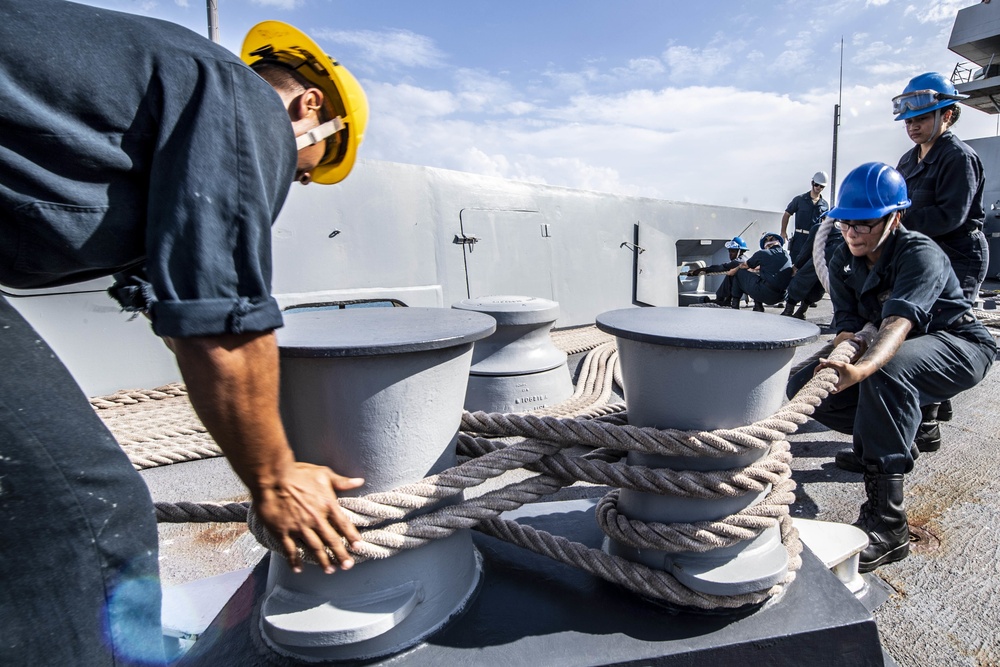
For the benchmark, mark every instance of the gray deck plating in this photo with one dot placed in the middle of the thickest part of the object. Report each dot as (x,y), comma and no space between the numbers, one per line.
(533,611)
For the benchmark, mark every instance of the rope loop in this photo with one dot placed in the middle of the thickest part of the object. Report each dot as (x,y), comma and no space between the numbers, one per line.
(583,440)
(495,444)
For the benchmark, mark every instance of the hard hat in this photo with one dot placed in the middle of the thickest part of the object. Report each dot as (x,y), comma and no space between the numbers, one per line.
(870,192)
(766,235)
(821,178)
(737,244)
(925,93)
(289,46)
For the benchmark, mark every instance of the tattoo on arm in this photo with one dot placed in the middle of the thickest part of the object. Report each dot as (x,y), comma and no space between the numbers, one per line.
(886,343)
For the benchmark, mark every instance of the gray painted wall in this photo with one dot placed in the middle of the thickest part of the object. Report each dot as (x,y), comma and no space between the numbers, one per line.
(395,228)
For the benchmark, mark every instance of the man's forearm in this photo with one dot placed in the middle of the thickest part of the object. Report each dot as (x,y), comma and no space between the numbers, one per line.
(884,346)
(232,381)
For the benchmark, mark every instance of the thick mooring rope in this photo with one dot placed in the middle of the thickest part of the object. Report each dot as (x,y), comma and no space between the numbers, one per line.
(386,531)
(820,260)
(496,444)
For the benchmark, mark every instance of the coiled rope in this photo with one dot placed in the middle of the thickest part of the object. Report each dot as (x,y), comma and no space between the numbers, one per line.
(388,526)
(495,444)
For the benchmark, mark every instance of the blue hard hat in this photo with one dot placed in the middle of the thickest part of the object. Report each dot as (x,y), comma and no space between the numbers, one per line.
(737,244)
(925,93)
(869,192)
(767,235)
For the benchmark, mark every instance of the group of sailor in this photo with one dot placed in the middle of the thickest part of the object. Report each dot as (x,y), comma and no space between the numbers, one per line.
(170,173)
(909,259)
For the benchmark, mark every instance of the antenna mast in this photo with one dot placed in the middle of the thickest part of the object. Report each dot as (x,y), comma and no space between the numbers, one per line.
(213,20)
(836,126)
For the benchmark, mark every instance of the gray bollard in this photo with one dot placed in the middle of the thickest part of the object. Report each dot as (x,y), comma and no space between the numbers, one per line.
(374,393)
(517,369)
(704,369)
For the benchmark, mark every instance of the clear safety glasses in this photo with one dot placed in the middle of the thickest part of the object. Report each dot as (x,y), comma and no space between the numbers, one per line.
(918,100)
(843,227)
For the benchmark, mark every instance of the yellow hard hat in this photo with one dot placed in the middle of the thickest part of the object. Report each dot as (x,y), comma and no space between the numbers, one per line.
(289,46)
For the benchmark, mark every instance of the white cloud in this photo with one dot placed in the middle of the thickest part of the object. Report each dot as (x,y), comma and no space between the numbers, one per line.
(793,60)
(618,127)
(640,68)
(477,91)
(280,4)
(939,11)
(390,48)
(687,64)
(409,101)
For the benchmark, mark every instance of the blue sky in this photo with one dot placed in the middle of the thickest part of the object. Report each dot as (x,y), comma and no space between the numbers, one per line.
(723,102)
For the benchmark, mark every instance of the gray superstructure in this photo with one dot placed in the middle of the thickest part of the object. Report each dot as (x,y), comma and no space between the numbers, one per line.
(424,237)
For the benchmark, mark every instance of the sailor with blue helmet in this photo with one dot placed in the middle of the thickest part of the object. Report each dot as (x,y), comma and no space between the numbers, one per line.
(768,282)
(737,248)
(944,177)
(928,347)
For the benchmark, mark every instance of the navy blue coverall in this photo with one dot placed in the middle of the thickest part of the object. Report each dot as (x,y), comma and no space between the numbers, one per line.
(726,286)
(947,351)
(131,146)
(946,189)
(770,284)
(805,285)
(806,215)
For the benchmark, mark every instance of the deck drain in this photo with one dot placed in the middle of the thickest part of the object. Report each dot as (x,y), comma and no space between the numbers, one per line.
(922,540)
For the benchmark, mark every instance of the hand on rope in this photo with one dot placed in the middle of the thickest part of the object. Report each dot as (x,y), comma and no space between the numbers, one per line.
(870,351)
(301,509)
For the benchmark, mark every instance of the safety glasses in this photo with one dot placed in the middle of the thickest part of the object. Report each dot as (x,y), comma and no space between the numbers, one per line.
(918,100)
(844,227)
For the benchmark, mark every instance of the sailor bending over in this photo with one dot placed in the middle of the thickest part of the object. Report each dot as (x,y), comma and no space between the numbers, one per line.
(737,248)
(136,147)
(765,276)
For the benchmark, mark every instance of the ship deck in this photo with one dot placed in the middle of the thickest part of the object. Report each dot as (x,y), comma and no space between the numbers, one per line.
(943,606)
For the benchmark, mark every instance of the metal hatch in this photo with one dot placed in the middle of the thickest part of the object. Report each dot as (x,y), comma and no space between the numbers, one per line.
(506,251)
(656,267)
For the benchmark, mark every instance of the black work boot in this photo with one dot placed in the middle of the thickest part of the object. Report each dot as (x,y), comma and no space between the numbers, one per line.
(929,434)
(801,312)
(945,411)
(758,307)
(928,437)
(789,308)
(883,517)
(847,460)
(735,303)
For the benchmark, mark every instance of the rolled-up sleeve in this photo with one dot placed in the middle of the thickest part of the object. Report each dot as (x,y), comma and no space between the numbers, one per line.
(224,161)
(918,283)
